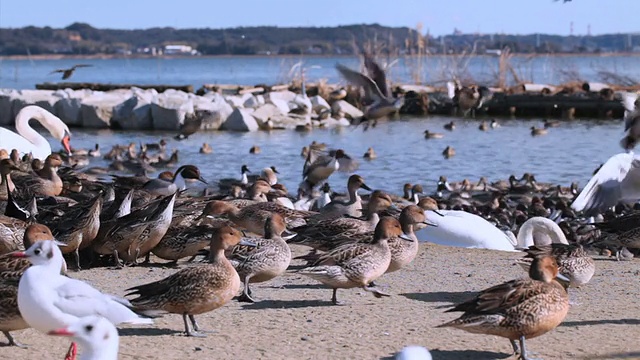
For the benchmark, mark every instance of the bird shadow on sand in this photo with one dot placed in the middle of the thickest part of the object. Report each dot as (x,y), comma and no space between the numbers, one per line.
(461,354)
(602,322)
(147,332)
(286,304)
(303,286)
(441,296)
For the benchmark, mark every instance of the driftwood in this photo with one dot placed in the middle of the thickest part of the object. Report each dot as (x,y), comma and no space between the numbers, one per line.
(109,87)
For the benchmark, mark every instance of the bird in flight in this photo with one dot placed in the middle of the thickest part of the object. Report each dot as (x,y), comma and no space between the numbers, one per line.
(66,73)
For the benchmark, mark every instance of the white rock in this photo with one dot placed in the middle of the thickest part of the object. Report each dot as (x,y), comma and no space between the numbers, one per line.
(42,98)
(169,110)
(280,95)
(318,103)
(344,122)
(261,100)
(414,352)
(133,114)
(235,101)
(240,120)
(349,110)
(97,109)
(265,112)
(281,104)
(6,102)
(251,102)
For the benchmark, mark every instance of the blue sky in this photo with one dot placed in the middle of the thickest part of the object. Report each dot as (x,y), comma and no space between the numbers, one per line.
(438,16)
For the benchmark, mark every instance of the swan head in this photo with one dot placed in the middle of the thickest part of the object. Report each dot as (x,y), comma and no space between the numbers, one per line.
(66,141)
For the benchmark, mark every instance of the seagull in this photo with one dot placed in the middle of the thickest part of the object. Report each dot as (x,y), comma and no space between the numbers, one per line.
(49,301)
(66,73)
(618,179)
(97,337)
(376,92)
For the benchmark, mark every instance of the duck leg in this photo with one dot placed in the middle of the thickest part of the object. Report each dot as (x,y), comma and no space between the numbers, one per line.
(246,293)
(334,298)
(147,258)
(196,327)
(76,256)
(514,345)
(523,350)
(187,328)
(376,292)
(117,259)
(12,341)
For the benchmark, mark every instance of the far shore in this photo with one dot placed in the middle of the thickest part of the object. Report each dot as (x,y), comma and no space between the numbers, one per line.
(143,56)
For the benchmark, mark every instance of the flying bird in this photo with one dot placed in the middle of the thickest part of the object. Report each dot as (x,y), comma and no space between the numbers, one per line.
(66,73)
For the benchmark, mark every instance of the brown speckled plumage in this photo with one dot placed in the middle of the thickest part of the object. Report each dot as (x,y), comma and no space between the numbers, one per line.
(573,261)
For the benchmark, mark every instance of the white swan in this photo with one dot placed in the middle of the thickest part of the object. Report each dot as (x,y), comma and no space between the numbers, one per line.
(617,180)
(27,140)
(463,229)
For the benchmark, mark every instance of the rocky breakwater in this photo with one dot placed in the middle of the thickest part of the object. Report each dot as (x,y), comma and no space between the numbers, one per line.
(138,109)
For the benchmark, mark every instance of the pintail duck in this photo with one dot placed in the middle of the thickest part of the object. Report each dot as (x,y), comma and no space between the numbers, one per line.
(325,196)
(432,135)
(6,186)
(225,184)
(195,290)
(269,174)
(356,264)
(370,154)
(518,309)
(448,152)
(450,126)
(494,124)
(377,93)
(483,126)
(320,235)
(255,149)
(351,207)
(10,317)
(97,336)
(206,149)
(537,132)
(253,217)
(186,241)
(573,261)
(551,123)
(317,169)
(46,183)
(135,234)
(162,187)
(12,231)
(268,259)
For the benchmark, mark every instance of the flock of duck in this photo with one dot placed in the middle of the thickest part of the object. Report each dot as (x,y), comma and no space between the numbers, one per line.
(59,217)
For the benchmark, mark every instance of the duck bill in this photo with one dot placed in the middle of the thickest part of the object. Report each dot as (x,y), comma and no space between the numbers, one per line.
(66,143)
(429,223)
(438,212)
(405,237)
(563,278)
(61,332)
(244,242)
(364,186)
(19,254)
(202,180)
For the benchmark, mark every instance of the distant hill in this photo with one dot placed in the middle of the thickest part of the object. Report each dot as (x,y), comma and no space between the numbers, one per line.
(83,39)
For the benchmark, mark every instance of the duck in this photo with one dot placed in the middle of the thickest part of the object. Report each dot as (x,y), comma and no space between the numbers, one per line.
(268,259)
(10,317)
(98,338)
(255,149)
(483,126)
(27,140)
(494,124)
(12,231)
(370,154)
(351,207)
(321,234)
(269,174)
(49,301)
(356,264)
(33,233)
(95,152)
(225,184)
(206,149)
(537,132)
(253,217)
(573,261)
(404,252)
(448,152)
(162,187)
(194,290)
(47,182)
(317,169)
(186,241)
(451,125)
(377,93)
(518,309)
(551,123)
(463,229)
(325,196)
(432,135)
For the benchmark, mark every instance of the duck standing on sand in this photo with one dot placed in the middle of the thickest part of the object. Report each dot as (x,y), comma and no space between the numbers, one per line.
(195,290)
(518,309)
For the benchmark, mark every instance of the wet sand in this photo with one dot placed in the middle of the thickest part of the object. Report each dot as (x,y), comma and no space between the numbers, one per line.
(293,317)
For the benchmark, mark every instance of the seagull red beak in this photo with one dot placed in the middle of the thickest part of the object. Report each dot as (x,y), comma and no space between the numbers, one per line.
(61,332)
(66,143)
(19,254)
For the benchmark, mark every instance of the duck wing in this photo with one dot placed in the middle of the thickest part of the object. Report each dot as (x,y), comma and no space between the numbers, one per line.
(371,89)
(376,74)
(496,299)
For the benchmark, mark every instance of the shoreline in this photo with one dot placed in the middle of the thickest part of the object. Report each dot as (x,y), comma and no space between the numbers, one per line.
(289,56)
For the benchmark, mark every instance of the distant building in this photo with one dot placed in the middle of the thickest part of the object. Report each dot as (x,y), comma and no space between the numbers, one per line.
(179,50)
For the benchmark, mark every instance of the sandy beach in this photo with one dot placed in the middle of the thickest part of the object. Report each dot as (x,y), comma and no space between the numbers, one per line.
(293,317)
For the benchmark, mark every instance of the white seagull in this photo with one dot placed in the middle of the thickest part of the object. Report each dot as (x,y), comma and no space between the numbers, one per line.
(97,337)
(49,301)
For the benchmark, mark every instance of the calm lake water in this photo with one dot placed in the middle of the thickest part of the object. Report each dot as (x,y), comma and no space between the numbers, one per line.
(24,74)
(568,153)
